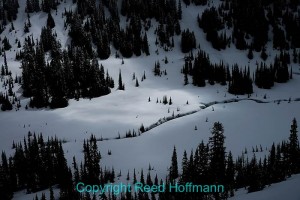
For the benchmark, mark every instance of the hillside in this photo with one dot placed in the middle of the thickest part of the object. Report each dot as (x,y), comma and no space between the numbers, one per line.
(67,85)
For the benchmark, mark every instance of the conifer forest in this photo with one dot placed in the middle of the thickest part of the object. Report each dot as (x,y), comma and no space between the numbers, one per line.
(149,100)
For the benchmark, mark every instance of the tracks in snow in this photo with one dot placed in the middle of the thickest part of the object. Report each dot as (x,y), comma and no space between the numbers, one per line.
(202,107)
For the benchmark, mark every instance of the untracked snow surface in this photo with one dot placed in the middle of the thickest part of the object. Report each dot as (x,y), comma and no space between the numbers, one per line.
(247,123)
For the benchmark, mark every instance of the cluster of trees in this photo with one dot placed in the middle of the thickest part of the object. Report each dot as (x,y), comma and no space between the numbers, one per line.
(188,41)
(281,162)
(240,82)
(38,164)
(279,40)
(296,56)
(208,165)
(202,70)
(251,20)
(277,72)
(153,9)
(211,22)
(4,68)
(8,12)
(134,77)
(6,44)
(156,69)
(27,24)
(165,100)
(71,73)
(264,76)
(130,134)
(211,164)
(45,5)
(167,13)
(8,98)
(196,2)
(35,165)
(290,21)
(103,31)
(5,102)
(91,171)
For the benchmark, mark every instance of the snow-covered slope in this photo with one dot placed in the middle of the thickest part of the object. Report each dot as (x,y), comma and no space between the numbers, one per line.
(247,123)
(285,190)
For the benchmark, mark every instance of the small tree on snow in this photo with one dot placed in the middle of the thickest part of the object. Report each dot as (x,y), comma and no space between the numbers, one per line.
(174,166)
(121,85)
(165,99)
(142,128)
(170,101)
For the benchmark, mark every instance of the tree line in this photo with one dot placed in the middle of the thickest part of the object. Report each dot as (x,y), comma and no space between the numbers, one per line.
(71,73)
(240,81)
(250,23)
(211,164)
(38,164)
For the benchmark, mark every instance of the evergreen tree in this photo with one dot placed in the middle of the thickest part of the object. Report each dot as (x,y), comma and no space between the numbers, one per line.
(6,44)
(43,196)
(179,10)
(134,177)
(294,150)
(92,160)
(184,168)
(29,6)
(186,80)
(250,54)
(279,41)
(50,21)
(201,164)
(187,2)
(142,180)
(156,70)
(217,166)
(263,54)
(165,100)
(272,165)
(188,41)
(128,177)
(6,191)
(146,45)
(36,5)
(173,174)
(254,170)
(121,85)
(230,175)
(170,101)
(142,128)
